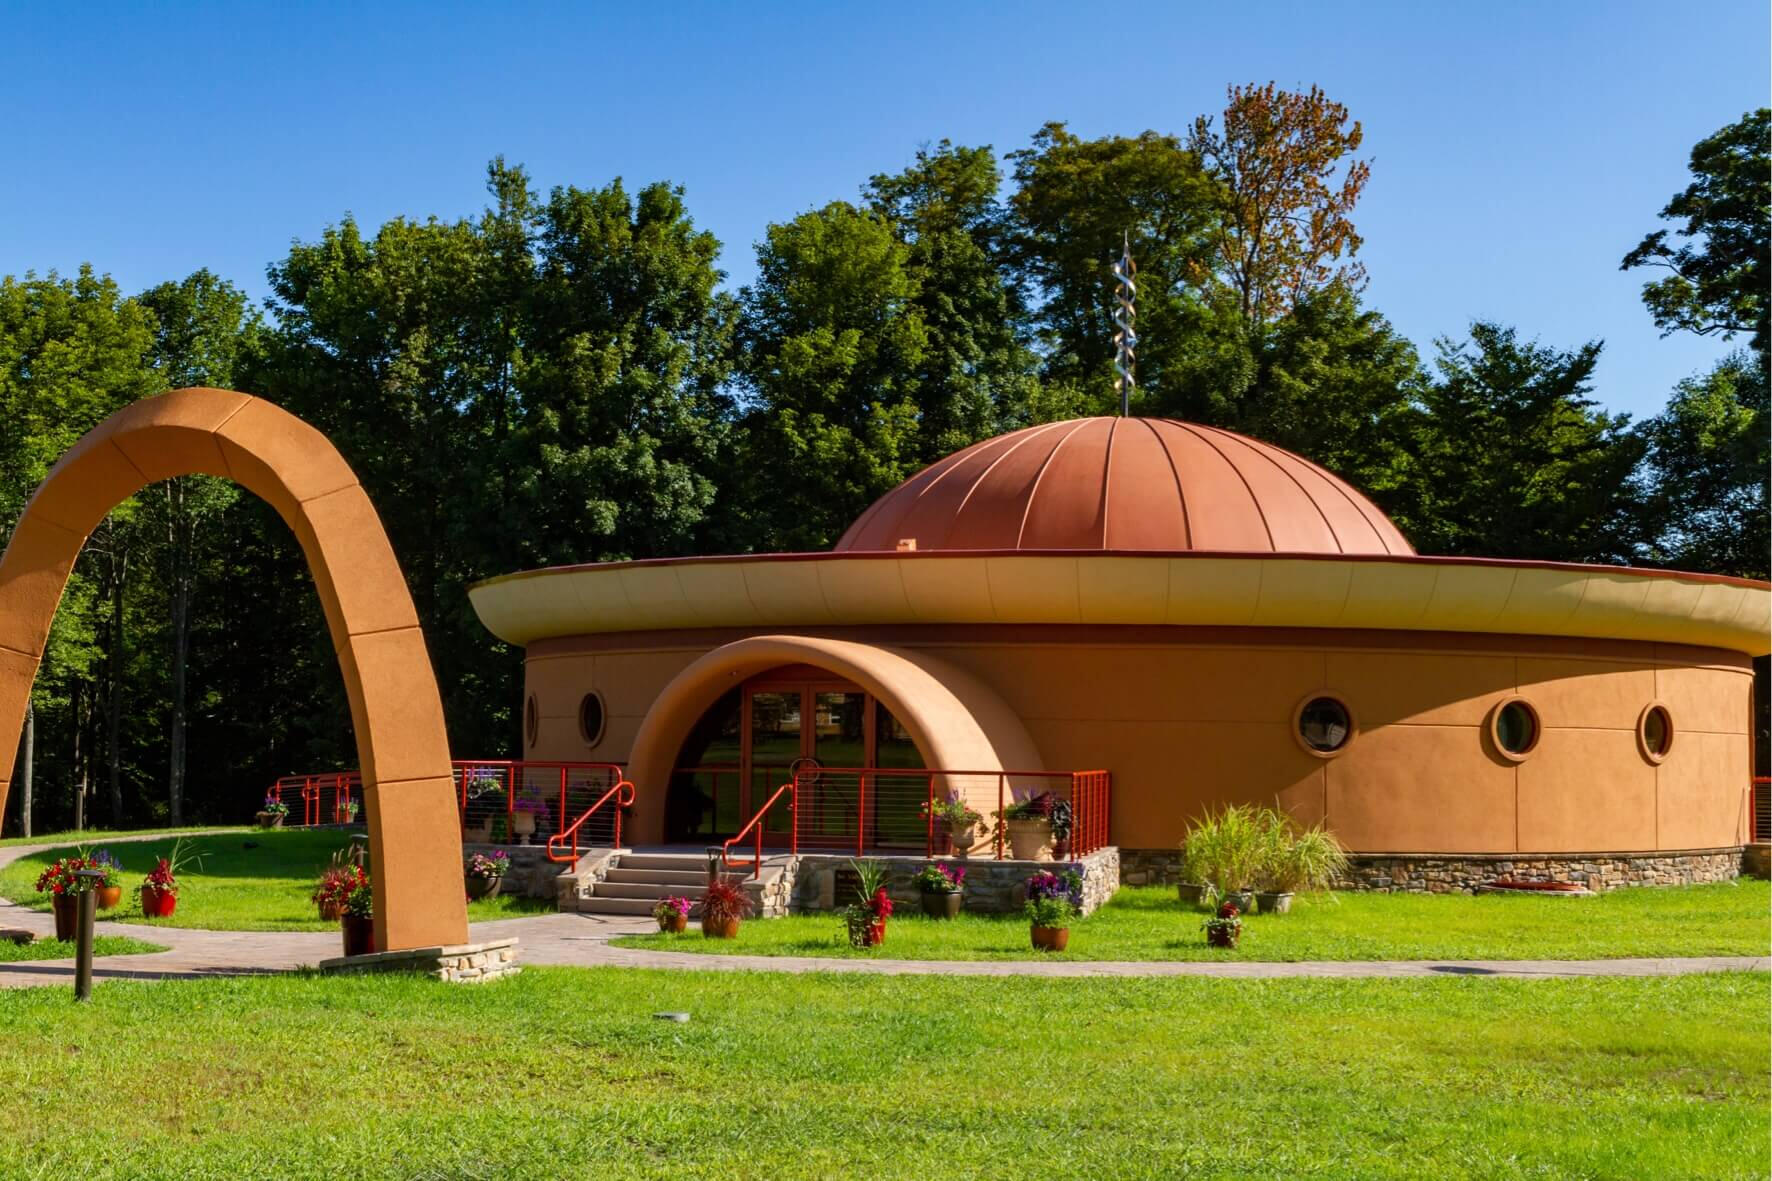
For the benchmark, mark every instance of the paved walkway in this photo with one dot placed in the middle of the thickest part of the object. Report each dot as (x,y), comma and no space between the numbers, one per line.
(583,940)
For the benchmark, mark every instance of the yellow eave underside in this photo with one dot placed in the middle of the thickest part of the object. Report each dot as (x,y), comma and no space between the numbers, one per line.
(1403,594)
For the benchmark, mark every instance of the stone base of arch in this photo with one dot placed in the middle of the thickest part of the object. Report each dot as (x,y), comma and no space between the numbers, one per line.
(957,722)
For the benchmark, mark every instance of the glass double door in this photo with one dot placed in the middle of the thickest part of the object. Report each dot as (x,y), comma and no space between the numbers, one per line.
(761,736)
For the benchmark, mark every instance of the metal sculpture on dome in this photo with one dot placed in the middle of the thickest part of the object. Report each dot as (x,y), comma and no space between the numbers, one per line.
(1125,339)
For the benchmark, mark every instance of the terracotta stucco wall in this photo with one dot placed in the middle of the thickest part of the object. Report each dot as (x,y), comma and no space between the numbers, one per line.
(1186,725)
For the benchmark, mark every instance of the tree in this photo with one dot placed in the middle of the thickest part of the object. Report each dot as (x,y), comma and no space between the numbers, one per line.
(1073,201)
(1513,460)
(1285,189)
(1708,459)
(832,347)
(1717,280)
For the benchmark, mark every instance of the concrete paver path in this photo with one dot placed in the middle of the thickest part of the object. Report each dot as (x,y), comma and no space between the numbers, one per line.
(583,940)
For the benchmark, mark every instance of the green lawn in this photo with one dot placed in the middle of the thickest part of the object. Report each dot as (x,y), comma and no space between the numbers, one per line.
(98,836)
(249,881)
(1148,923)
(565,1073)
(59,949)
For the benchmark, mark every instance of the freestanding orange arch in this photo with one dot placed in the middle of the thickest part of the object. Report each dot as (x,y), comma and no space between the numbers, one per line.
(408,795)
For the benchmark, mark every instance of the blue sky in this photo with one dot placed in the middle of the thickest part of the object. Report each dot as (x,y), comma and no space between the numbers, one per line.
(1519,149)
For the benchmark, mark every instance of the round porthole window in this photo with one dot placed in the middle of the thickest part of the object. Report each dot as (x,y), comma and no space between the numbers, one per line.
(1514,727)
(1655,732)
(1323,725)
(531,720)
(590,718)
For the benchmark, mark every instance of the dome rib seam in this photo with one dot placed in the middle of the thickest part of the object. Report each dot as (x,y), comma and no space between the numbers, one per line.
(1260,513)
(1296,483)
(1076,424)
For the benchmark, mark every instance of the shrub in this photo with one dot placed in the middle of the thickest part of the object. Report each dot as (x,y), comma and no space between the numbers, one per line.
(1225,849)
(1296,861)
(724,901)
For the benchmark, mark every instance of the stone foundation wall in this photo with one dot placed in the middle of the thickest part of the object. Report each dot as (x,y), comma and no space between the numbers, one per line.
(531,874)
(992,887)
(1444,873)
(464,963)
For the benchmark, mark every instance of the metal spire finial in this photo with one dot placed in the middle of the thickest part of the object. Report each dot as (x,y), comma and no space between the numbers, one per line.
(1125,339)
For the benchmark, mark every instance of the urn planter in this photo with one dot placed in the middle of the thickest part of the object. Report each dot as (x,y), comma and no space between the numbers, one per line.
(1028,838)
(941,905)
(523,824)
(67,915)
(960,840)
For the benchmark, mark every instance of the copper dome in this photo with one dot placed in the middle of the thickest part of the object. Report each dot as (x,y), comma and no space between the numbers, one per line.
(1150,484)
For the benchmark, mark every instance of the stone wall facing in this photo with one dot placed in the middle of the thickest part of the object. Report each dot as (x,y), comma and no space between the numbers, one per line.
(463,963)
(1445,873)
(822,882)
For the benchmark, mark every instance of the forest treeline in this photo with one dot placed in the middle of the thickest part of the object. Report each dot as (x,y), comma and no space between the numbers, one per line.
(564,377)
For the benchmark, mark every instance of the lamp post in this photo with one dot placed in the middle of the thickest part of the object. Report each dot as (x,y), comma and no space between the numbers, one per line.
(83,933)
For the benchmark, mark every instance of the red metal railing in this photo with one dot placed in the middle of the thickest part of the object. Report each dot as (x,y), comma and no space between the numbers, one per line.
(623,795)
(500,800)
(1761,796)
(894,809)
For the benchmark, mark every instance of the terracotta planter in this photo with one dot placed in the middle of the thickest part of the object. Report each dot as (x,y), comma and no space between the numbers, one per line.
(1274,903)
(720,928)
(484,887)
(67,915)
(270,819)
(941,906)
(675,923)
(359,934)
(109,896)
(331,912)
(158,904)
(1225,938)
(1050,938)
(1028,838)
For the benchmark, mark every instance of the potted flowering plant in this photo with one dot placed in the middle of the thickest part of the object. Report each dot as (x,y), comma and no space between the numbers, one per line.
(866,918)
(159,893)
(722,906)
(110,890)
(526,811)
(1053,901)
(358,920)
(64,887)
(939,888)
(673,914)
(1224,928)
(273,813)
(485,873)
(344,811)
(336,883)
(1060,817)
(1028,825)
(957,824)
(485,800)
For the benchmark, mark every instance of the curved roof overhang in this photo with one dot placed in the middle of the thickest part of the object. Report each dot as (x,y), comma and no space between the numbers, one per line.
(1402,593)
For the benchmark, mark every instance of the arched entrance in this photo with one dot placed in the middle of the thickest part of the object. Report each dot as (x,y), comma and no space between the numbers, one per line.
(950,718)
(788,720)
(408,793)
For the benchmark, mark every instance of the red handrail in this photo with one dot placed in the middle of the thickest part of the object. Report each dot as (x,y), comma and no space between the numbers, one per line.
(792,787)
(557,842)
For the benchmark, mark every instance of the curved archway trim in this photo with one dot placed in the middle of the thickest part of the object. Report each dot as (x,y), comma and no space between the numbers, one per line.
(957,722)
(408,793)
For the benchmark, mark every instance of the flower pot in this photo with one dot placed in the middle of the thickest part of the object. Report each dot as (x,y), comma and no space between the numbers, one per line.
(1028,838)
(675,923)
(344,815)
(720,928)
(1243,900)
(67,915)
(1192,893)
(1050,938)
(960,839)
(359,933)
(1061,848)
(158,903)
(1274,903)
(523,824)
(331,911)
(109,896)
(941,905)
(478,834)
(484,887)
(1224,938)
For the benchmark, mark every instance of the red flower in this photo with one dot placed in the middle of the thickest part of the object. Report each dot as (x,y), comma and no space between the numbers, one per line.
(882,906)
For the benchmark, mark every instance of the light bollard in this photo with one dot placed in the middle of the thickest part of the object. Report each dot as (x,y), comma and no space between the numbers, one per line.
(83,934)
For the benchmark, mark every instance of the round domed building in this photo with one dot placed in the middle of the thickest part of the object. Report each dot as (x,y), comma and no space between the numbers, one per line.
(1150,618)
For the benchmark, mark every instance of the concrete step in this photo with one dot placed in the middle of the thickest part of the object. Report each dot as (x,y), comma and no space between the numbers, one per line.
(674,862)
(636,906)
(652,890)
(679,877)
